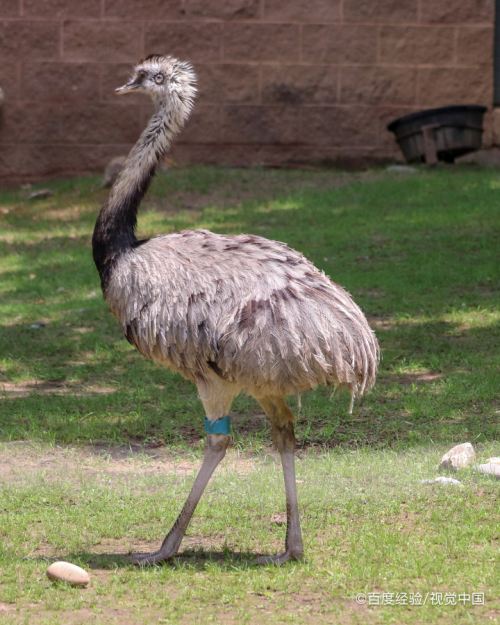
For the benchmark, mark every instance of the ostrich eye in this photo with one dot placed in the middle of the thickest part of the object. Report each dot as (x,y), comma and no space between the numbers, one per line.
(159,78)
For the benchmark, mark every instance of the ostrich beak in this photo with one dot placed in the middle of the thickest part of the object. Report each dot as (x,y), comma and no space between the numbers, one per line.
(129,86)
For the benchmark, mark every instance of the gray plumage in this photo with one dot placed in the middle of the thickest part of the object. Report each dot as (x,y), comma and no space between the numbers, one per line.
(254,312)
(231,313)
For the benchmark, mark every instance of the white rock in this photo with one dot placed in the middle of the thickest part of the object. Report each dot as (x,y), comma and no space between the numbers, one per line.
(40,194)
(458,457)
(38,325)
(67,572)
(490,467)
(442,480)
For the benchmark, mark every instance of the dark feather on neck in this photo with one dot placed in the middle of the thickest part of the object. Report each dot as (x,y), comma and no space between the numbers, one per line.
(114,231)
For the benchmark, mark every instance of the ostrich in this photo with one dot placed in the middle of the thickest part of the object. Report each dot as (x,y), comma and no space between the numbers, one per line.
(230,313)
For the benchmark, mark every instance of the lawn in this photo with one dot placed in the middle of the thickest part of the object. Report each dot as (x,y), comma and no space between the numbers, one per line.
(98,447)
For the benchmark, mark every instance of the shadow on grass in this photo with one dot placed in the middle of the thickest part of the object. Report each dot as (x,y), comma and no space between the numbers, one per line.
(387,236)
(197,559)
(121,397)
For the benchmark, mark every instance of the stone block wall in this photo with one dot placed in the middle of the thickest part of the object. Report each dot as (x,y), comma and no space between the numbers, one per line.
(281,81)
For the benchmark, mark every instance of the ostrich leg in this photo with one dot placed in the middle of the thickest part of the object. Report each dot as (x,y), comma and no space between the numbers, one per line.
(284,438)
(215,450)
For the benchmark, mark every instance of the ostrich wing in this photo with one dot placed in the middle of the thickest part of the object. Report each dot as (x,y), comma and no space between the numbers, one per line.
(254,311)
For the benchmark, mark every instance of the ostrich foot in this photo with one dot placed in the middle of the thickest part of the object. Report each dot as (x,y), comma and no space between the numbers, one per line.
(214,452)
(281,558)
(149,559)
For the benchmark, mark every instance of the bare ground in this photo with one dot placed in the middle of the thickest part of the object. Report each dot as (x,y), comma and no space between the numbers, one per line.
(51,387)
(23,461)
(265,610)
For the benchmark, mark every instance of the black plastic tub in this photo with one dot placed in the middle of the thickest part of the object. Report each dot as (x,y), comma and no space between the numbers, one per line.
(439,134)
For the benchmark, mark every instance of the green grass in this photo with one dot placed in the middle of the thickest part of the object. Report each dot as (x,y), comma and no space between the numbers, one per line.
(369,525)
(419,254)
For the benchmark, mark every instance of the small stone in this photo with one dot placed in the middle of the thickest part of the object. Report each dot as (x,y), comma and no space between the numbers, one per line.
(458,457)
(38,325)
(401,169)
(69,573)
(442,480)
(40,194)
(113,168)
(490,467)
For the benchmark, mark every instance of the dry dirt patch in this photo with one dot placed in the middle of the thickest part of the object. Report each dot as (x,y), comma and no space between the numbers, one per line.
(51,387)
(22,462)
(85,615)
(414,378)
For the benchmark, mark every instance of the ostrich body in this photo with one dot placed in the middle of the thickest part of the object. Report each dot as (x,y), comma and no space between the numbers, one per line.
(231,313)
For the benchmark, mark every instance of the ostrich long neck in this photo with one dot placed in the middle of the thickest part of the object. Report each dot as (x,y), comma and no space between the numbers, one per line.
(114,231)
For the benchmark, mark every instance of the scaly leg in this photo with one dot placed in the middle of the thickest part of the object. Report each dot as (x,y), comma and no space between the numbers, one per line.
(215,450)
(284,438)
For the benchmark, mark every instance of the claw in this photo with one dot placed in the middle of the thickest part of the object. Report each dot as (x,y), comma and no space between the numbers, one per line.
(149,559)
(280,558)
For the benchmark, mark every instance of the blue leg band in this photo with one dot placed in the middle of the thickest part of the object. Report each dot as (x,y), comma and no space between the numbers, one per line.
(219,426)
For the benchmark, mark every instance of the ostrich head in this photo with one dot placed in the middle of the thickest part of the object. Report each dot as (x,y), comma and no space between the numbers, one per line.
(166,80)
